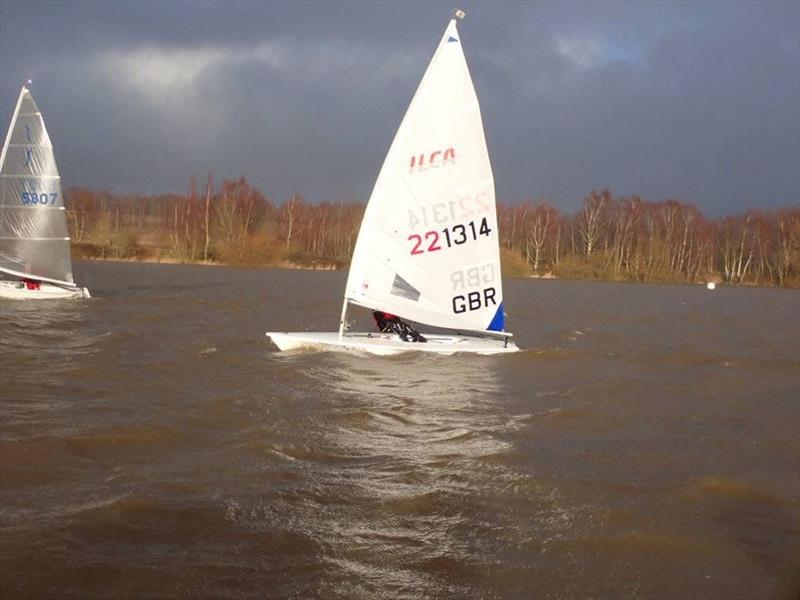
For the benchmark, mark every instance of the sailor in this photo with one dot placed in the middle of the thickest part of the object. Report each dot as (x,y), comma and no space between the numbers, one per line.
(389,323)
(31,284)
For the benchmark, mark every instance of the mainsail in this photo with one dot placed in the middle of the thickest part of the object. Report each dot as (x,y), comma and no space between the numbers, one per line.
(34,241)
(428,245)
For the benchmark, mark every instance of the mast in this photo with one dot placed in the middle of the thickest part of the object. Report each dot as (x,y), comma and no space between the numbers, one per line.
(343,317)
(11,126)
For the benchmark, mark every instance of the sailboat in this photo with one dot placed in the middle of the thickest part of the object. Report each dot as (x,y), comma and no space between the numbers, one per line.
(428,248)
(34,241)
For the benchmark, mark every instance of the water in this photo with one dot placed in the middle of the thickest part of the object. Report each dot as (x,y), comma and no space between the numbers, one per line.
(154,445)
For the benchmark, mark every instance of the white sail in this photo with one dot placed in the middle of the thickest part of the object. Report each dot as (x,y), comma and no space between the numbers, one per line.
(34,241)
(428,246)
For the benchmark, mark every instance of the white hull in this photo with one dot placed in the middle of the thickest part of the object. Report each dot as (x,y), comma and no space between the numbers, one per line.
(16,290)
(389,344)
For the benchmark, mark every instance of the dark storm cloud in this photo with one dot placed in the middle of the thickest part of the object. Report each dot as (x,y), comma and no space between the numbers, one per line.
(699,101)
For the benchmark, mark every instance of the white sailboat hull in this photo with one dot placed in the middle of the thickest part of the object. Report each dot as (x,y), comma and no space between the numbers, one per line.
(389,344)
(16,290)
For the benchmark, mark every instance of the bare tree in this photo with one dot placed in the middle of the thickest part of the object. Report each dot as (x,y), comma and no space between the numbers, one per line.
(537,230)
(289,215)
(592,220)
(207,216)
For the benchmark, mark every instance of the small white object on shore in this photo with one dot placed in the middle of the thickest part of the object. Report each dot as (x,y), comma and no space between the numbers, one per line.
(711,285)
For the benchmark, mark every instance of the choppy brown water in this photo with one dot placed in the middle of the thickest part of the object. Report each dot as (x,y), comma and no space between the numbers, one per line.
(152,444)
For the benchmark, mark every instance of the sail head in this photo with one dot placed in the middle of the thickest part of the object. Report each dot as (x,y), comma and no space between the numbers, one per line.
(34,239)
(428,245)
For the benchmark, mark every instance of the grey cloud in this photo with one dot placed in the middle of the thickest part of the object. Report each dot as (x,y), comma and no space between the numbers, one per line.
(699,101)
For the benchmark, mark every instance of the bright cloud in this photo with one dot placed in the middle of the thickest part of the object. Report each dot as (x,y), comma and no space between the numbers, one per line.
(583,52)
(173,82)
(151,70)
(154,71)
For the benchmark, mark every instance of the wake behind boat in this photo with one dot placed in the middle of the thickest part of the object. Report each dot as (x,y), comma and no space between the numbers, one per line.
(34,240)
(428,247)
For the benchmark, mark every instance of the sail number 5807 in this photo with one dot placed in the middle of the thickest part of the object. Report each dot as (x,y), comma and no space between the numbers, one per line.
(452,236)
(34,198)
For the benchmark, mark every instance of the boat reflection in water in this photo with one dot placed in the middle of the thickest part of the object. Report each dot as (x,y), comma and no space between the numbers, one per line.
(415,478)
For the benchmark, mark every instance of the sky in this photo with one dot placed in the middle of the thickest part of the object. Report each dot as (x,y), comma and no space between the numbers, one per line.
(698,101)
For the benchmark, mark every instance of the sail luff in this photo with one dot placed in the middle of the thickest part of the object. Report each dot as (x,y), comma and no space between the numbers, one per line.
(6,144)
(11,127)
(411,104)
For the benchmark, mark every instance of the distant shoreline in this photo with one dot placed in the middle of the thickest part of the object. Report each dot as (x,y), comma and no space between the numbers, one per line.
(201,263)
(289,265)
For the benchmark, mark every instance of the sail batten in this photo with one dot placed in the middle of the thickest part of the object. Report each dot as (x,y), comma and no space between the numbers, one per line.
(428,245)
(34,239)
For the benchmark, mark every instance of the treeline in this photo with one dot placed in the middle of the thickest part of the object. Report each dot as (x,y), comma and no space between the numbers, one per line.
(635,239)
(611,237)
(233,223)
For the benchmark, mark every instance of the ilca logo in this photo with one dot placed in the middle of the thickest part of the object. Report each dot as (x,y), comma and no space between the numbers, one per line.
(434,160)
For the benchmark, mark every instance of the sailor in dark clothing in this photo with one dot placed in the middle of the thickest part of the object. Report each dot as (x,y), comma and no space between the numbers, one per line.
(388,323)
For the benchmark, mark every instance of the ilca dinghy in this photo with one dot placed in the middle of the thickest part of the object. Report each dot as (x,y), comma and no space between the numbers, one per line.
(34,241)
(428,248)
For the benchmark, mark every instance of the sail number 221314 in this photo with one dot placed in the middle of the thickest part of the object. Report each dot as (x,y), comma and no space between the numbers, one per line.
(455,235)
